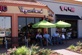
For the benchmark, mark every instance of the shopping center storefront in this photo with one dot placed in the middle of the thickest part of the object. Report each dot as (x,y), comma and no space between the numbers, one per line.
(18,16)
(68,12)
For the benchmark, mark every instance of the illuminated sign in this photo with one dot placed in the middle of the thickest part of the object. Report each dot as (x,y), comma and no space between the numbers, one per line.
(3,8)
(30,10)
(65,8)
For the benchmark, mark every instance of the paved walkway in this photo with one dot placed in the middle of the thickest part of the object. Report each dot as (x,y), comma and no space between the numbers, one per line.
(66,52)
(60,48)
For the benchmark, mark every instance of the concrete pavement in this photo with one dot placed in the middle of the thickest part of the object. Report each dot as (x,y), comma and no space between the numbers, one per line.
(66,52)
(59,48)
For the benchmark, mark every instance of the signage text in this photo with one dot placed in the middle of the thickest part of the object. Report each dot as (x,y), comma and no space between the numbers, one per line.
(30,10)
(65,8)
(3,8)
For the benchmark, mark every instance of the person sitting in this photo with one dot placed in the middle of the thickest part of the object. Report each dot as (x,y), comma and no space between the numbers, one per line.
(39,38)
(47,37)
(55,37)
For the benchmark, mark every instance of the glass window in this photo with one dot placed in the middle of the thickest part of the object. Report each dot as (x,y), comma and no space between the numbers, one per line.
(5,25)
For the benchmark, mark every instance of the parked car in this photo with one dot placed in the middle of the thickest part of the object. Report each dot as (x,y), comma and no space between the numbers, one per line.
(2,33)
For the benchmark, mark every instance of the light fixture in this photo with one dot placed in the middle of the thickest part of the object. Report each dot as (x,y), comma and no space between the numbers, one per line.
(79,0)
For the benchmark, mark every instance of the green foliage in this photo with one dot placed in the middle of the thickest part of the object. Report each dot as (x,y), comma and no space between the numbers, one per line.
(44,52)
(33,50)
(72,47)
(79,44)
(21,51)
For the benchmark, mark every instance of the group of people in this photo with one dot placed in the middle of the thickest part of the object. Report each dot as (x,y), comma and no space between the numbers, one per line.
(43,39)
(55,38)
(45,36)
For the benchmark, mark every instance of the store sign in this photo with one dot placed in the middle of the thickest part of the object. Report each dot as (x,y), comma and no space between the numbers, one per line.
(3,8)
(29,10)
(65,8)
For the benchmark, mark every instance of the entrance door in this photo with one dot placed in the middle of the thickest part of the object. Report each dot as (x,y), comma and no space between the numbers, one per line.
(73,28)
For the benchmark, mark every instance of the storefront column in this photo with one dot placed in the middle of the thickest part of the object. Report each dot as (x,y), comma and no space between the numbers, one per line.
(14,31)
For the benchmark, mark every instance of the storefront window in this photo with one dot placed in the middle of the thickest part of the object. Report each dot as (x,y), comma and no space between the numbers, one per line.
(5,30)
(26,23)
(5,26)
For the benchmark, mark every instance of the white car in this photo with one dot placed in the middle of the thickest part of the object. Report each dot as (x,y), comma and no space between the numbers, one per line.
(2,33)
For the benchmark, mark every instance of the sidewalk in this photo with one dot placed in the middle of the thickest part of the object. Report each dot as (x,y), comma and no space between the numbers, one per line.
(66,52)
(59,48)
(62,48)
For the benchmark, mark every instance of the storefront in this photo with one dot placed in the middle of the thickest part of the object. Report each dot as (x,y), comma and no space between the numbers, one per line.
(18,16)
(67,12)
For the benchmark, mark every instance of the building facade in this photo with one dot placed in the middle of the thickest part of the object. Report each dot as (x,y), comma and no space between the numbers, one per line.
(18,16)
(69,12)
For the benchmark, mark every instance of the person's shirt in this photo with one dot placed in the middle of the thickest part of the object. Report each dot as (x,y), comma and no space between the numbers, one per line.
(46,35)
(69,34)
(38,35)
(63,36)
(55,35)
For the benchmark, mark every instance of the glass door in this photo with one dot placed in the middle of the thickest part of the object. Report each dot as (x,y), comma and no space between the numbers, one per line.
(5,30)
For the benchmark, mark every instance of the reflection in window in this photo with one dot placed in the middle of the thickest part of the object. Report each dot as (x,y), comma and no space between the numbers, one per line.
(5,25)
(26,23)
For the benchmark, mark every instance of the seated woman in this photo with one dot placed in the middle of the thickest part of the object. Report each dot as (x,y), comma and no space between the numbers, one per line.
(39,38)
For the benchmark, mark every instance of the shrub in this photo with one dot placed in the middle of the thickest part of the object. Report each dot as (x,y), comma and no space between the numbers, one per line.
(72,47)
(34,50)
(21,51)
(79,44)
(44,51)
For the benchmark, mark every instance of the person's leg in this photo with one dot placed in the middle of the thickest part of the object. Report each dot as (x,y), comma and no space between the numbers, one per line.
(46,41)
(41,42)
(49,41)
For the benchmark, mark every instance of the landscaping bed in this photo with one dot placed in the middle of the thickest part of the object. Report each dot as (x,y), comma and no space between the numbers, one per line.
(76,48)
(33,50)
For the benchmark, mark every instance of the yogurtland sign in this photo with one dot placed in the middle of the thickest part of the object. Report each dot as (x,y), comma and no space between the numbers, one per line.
(65,8)
(3,8)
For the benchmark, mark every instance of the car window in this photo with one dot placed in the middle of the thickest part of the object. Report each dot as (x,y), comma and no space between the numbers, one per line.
(1,32)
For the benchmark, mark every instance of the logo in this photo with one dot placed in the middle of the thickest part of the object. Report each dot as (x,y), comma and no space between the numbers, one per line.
(3,8)
(65,8)
(30,10)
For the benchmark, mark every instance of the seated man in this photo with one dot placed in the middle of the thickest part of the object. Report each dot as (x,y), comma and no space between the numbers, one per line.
(48,39)
(55,37)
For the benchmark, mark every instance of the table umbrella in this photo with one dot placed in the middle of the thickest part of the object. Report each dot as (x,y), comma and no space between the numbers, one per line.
(62,24)
(43,24)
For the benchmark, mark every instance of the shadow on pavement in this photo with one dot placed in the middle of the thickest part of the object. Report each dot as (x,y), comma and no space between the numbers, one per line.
(56,46)
(63,46)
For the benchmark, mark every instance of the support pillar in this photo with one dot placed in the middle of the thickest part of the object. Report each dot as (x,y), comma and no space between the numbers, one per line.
(14,31)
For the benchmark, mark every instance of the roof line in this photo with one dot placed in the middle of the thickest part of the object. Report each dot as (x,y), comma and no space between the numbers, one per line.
(63,3)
